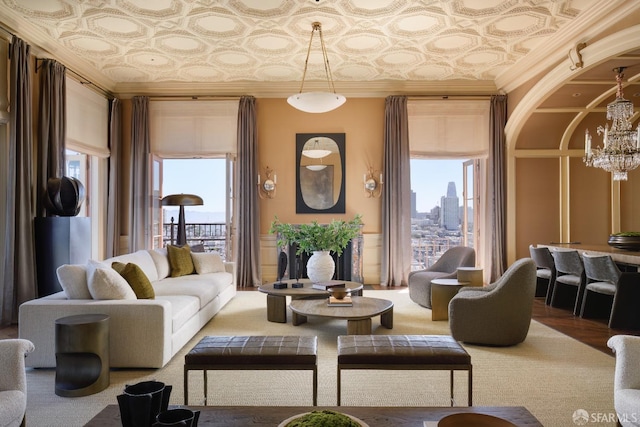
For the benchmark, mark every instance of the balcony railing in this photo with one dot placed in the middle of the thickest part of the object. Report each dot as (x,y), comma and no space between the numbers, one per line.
(212,235)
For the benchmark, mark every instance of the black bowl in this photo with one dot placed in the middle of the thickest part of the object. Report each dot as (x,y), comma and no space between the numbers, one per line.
(630,243)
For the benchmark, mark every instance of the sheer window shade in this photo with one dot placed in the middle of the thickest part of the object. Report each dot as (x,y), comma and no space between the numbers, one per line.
(188,129)
(87,120)
(449,128)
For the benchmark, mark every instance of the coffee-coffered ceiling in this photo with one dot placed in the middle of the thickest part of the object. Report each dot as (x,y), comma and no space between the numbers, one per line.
(480,45)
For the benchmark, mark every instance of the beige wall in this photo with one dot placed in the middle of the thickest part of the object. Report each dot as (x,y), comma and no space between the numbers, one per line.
(362,122)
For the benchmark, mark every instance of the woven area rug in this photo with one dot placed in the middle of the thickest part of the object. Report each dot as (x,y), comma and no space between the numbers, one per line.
(550,374)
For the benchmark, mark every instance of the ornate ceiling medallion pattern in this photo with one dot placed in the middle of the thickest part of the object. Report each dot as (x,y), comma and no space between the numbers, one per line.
(260,41)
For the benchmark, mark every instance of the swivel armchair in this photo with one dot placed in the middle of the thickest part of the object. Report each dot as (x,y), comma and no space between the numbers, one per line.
(445,268)
(13,381)
(626,383)
(500,316)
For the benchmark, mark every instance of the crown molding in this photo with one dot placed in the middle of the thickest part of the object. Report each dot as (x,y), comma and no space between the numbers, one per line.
(42,46)
(370,89)
(599,17)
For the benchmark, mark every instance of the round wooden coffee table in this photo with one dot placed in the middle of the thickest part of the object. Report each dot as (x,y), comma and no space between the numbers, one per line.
(358,315)
(277,298)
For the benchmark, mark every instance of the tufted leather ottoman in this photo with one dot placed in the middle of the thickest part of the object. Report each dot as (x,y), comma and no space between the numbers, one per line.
(406,352)
(252,352)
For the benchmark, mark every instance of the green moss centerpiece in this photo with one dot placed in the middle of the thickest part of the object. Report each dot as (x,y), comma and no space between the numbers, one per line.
(325,418)
(319,240)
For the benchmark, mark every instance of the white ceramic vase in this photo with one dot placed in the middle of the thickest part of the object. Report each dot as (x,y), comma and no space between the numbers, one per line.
(320,267)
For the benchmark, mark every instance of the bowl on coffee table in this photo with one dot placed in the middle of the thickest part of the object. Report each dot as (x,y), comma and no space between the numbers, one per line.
(339,292)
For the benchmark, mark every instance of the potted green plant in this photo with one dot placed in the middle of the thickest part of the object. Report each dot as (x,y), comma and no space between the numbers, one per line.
(318,240)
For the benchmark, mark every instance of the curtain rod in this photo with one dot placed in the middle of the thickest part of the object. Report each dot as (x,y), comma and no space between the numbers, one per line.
(464,97)
(81,79)
(6,30)
(195,97)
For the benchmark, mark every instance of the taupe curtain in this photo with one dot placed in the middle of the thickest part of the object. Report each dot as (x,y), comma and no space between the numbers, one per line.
(396,199)
(52,127)
(496,168)
(19,278)
(139,188)
(115,141)
(247,209)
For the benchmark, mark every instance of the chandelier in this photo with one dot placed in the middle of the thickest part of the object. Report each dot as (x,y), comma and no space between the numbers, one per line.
(317,102)
(621,144)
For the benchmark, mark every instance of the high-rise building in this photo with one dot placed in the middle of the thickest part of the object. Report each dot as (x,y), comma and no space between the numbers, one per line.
(449,208)
(414,209)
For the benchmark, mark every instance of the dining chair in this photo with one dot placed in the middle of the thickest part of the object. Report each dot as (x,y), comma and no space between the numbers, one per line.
(624,311)
(602,275)
(546,271)
(570,280)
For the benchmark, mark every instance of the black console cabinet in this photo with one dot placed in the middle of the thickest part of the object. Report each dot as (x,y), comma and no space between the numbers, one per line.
(59,240)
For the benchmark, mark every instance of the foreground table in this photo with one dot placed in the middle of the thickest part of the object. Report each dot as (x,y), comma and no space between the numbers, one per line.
(242,416)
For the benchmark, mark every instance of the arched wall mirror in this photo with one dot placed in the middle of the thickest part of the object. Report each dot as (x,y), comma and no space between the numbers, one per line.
(320,173)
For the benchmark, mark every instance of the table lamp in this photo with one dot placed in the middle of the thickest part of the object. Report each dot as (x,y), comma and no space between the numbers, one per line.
(181,200)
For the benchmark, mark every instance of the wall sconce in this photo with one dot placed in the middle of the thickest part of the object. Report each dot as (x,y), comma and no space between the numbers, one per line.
(373,187)
(267,188)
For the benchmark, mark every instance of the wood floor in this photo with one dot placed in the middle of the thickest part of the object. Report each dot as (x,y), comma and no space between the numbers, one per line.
(593,332)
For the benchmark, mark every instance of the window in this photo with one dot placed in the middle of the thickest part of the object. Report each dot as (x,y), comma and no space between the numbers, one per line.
(442,216)
(208,224)
(87,155)
(77,166)
(196,142)
(449,140)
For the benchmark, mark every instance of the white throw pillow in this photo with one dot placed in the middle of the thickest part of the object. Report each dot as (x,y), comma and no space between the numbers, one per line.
(207,262)
(161,259)
(106,283)
(73,279)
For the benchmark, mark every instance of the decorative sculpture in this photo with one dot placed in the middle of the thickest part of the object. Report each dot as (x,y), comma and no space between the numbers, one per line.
(64,196)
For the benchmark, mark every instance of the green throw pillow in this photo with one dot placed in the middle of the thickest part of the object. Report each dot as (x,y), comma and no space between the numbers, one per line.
(180,260)
(136,278)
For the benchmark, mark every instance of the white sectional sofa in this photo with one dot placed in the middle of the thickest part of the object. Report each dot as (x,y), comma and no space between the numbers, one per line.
(144,333)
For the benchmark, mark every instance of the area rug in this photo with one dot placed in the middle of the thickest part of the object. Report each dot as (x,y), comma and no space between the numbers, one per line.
(550,374)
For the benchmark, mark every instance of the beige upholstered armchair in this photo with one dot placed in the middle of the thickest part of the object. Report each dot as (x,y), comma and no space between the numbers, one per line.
(13,381)
(500,316)
(445,268)
(626,384)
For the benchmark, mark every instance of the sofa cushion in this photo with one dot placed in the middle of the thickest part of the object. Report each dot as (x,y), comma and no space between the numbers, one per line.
(141,258)
(161,259)
(180,260)
(73,280)
(204,286)
(207,262)
(105,283)
(136,278)
(183,308)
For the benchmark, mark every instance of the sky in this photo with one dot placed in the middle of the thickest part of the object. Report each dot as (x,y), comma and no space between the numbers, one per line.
(206,178)
(430,178)
(203,177)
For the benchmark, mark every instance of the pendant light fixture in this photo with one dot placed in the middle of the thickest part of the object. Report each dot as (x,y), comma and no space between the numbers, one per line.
(620,152)
(317,102)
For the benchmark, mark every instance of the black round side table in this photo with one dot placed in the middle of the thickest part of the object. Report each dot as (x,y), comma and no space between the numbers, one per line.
(82,354)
